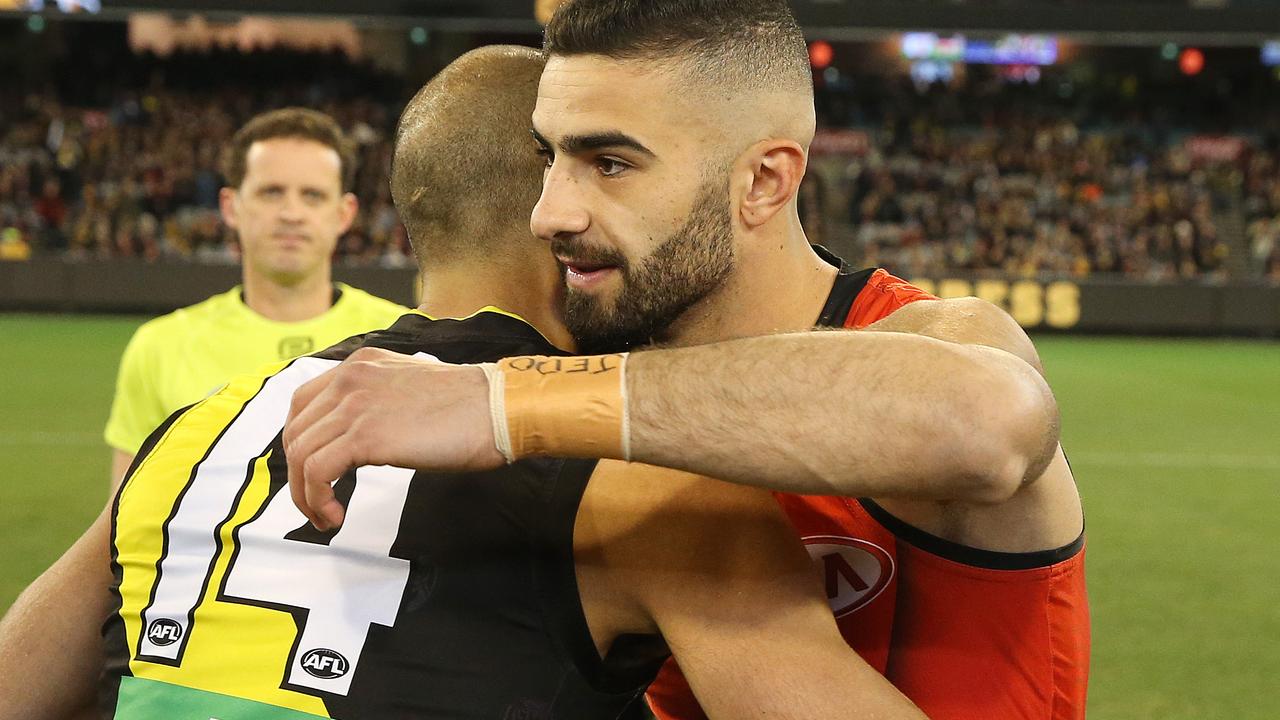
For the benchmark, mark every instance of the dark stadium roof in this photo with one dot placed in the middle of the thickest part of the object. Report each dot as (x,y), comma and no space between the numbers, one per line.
(1121,20)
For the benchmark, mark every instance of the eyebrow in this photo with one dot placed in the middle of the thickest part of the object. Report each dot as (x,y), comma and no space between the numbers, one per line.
(578,144)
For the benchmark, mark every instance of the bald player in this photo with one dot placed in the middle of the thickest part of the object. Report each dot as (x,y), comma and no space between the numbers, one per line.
(547,589)
(919,464)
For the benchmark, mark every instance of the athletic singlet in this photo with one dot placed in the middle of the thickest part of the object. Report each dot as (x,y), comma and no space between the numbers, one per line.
(442,596)
(966,634)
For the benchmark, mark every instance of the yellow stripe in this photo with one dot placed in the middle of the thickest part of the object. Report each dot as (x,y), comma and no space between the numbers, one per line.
(486,309)
(233,649)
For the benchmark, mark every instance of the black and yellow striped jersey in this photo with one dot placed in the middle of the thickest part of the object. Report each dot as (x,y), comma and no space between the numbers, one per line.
(441,596)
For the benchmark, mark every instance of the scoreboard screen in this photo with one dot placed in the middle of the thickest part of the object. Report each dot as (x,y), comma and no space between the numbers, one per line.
(66,6)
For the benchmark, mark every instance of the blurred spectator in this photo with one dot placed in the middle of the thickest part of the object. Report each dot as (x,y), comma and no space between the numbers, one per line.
(136,176)
(12,245)
(982,176)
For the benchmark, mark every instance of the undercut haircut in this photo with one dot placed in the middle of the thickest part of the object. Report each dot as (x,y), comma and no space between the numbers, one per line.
(465,175)
(744,44)
(292,122)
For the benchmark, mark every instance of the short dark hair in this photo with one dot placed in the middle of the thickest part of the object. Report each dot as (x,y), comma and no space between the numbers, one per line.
(465,175)
(291,122)
(749,42)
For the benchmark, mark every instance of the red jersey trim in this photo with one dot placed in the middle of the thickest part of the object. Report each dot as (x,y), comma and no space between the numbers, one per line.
(883,294)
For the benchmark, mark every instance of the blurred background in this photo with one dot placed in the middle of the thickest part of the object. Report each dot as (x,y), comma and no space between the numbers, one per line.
(1107,171)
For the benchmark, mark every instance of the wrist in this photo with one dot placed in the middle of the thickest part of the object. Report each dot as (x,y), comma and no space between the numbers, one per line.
(560,406)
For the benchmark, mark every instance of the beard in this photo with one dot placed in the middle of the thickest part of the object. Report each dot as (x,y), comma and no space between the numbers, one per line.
(685,268)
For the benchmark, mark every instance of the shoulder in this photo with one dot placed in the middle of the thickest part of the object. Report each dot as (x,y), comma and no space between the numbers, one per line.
(966,321)
(171,326)
(882,295)
(369,305)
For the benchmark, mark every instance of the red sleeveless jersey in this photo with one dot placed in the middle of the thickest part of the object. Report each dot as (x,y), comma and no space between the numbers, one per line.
(967,634)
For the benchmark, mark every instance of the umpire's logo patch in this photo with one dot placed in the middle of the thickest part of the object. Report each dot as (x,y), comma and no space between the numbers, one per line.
(292,347)
(854,571)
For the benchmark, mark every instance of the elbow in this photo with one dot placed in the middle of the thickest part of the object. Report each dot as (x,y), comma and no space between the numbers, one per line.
(1018,437)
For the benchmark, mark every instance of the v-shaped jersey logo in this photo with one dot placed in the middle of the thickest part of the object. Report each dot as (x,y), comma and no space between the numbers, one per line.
(854,571)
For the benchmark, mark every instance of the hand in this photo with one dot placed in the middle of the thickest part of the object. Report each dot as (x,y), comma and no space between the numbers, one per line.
(383,408)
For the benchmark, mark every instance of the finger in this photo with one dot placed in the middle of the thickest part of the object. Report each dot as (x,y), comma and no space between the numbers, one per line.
(298,492)
(309,426)
(309,402)
(322,469)
(312,462)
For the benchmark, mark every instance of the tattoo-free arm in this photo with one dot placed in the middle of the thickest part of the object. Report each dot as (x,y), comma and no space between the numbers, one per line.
(51,651)
(718,570)
(855,413)
(890,414)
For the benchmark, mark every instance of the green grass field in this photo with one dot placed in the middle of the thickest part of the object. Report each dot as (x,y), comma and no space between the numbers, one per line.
(1175,443)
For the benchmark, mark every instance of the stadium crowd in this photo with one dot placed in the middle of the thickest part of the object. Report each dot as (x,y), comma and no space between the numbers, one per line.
(985,179)
(1034,199)
(1262,208)
(135,171)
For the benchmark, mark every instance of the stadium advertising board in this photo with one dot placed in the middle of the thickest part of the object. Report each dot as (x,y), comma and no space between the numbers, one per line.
(1084,305)
(1007,50)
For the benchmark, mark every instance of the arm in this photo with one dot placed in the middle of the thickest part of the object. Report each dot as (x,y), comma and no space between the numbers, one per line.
(881,414)
(895,413)
(136,409)
(718,571)
(50,640)
(120,462)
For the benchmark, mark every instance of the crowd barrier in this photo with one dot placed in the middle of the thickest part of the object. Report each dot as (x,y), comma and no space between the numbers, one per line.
(1093,305)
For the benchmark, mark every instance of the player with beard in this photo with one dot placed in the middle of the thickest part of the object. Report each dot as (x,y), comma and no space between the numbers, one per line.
(919,463)
(544,590)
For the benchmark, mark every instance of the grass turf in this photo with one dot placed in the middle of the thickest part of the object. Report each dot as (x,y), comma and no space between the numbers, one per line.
(1174,445)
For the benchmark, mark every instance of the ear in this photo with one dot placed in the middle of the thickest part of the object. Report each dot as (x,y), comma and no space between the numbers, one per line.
(227,204)
(776,168)
(347,210)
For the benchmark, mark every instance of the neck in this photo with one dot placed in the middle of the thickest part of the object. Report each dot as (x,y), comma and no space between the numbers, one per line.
(288,301)
(780,285)
(463,289)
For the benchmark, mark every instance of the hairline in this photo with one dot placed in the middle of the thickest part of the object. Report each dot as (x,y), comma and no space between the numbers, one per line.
(341,170)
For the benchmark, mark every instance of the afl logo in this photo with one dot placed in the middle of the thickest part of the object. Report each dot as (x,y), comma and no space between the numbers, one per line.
(324,664)
(854,571)
(164,632)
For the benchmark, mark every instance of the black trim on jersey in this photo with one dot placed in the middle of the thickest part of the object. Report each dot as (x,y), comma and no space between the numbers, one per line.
(113,627)
(299,614)
(971,556)
(333,299)
(164,530)
(633,660)
(848,284)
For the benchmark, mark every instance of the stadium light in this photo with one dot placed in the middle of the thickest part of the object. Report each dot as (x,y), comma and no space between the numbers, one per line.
(1191,61)
(821,54)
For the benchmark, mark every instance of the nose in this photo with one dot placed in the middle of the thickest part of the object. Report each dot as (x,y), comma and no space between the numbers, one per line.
(560,210)
(291,208)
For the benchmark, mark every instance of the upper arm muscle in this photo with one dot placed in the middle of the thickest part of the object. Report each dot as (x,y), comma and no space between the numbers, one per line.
(965,321)
(718,571)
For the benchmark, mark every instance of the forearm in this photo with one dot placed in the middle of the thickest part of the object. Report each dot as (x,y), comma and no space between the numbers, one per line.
(852,413)
(50,644)
(843,413)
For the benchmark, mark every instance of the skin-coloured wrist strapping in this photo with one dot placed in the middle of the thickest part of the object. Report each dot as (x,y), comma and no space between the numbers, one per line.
(566,406)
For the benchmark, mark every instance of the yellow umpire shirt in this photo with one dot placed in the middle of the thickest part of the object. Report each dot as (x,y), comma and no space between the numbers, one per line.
(183,357)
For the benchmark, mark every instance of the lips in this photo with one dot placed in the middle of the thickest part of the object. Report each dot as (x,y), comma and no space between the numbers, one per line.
(583,275)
